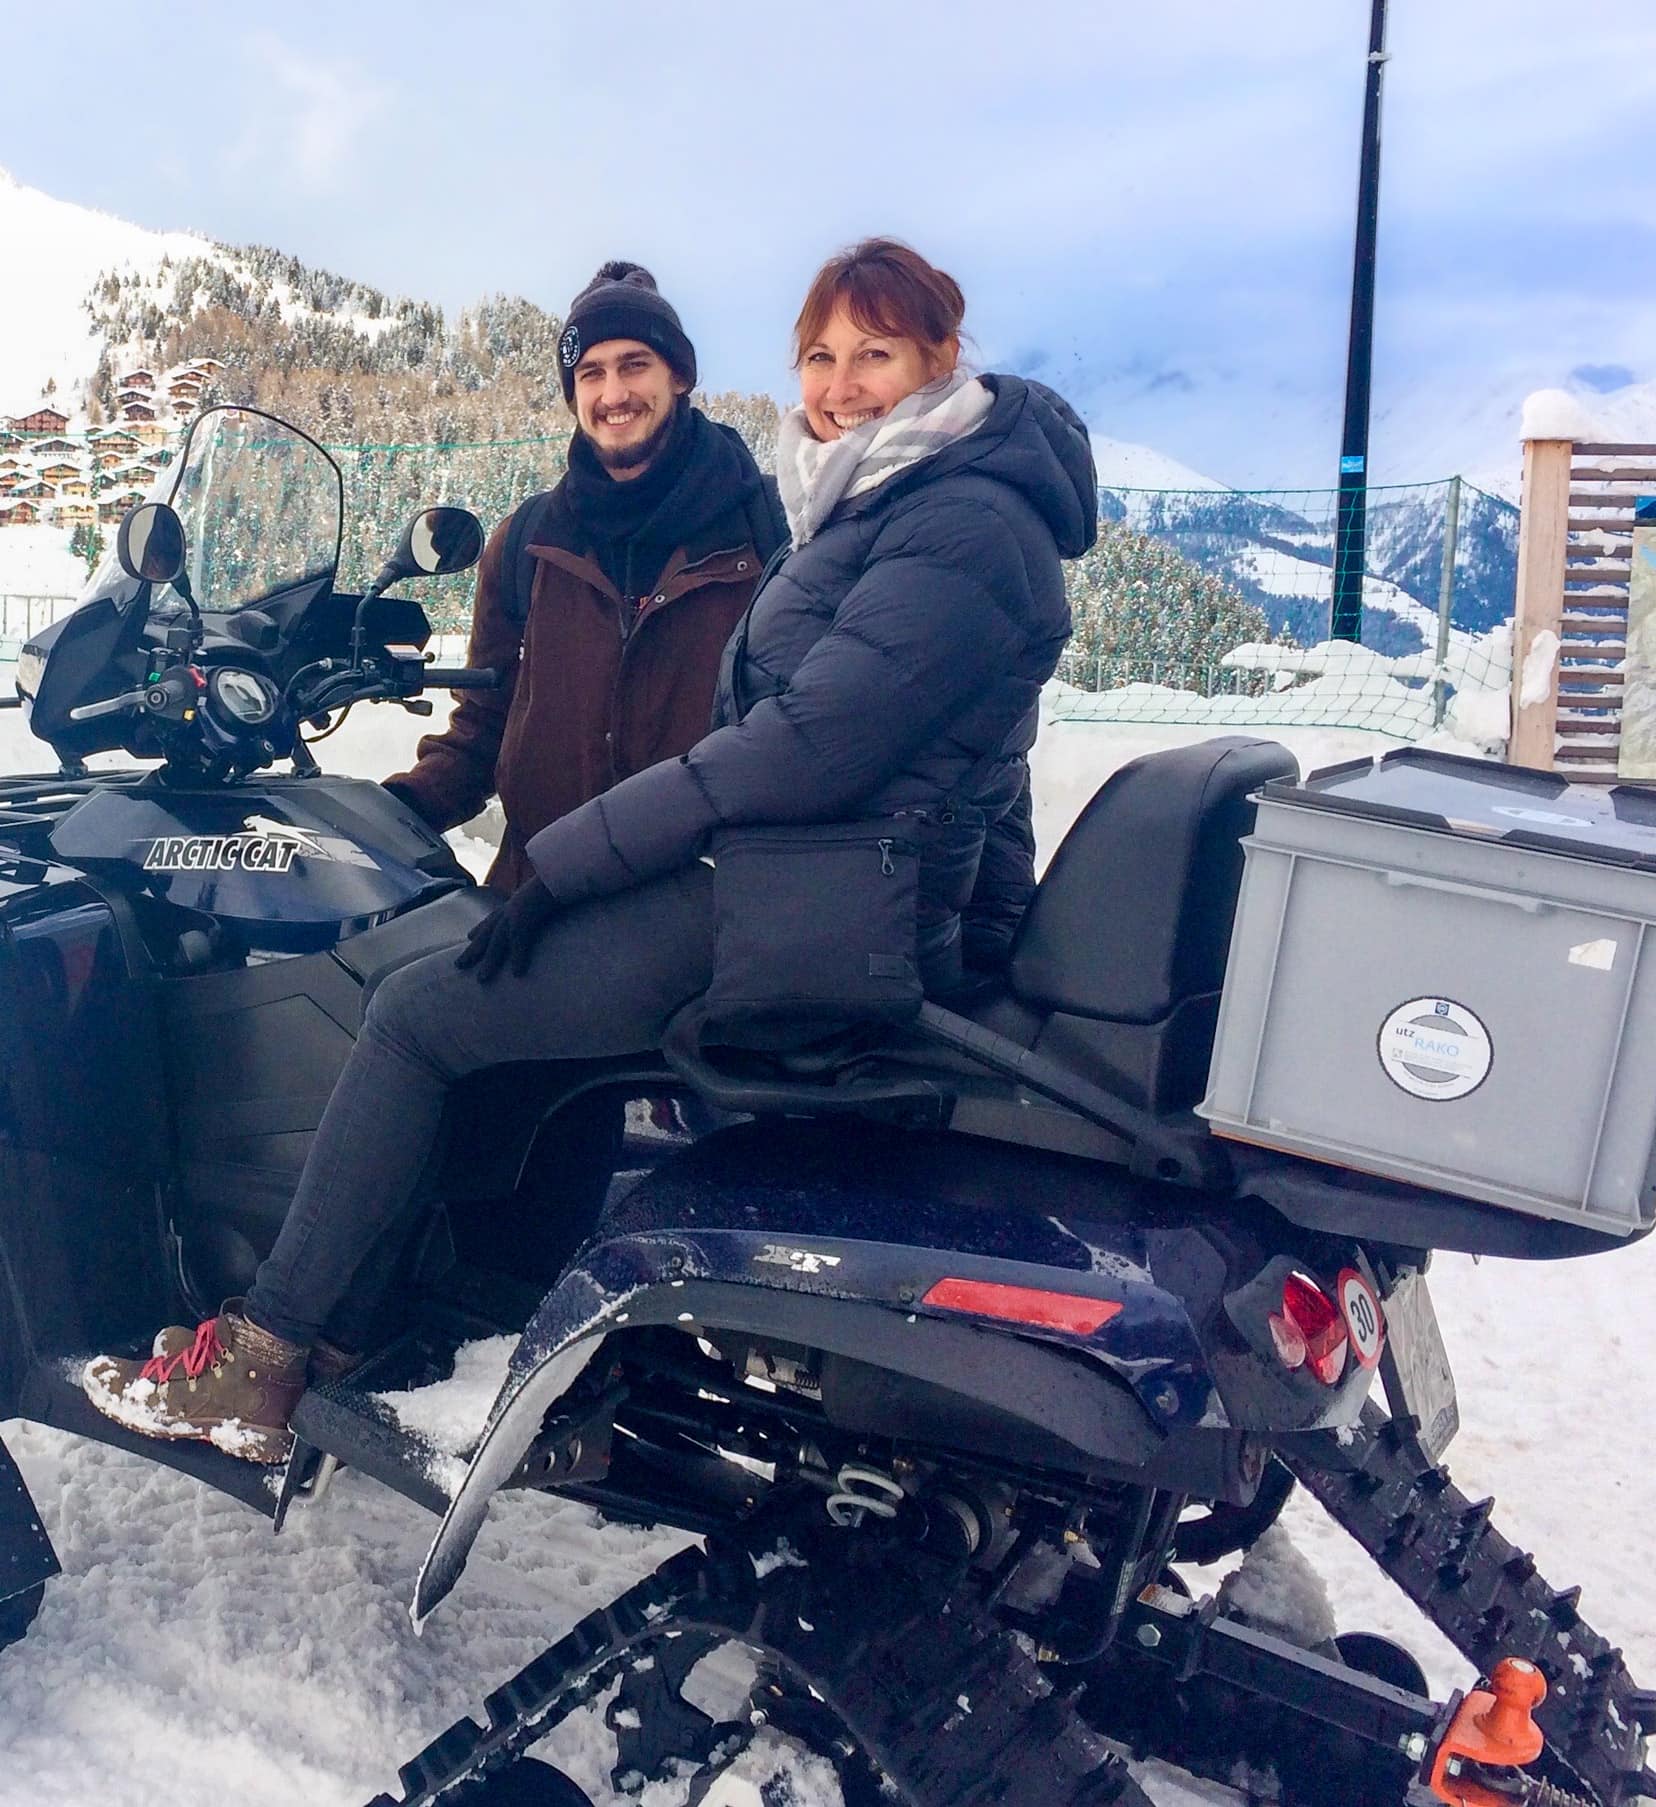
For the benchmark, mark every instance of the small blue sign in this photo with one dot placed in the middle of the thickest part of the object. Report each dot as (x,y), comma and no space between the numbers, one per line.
(1351,465)
(1644,511)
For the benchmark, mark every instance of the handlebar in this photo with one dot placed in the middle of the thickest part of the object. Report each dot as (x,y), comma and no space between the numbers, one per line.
(460,677)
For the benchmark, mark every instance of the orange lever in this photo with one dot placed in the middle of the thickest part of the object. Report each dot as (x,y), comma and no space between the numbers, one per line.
(1493,1727)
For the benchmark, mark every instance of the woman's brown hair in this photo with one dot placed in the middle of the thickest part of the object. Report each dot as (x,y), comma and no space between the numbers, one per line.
(887,288)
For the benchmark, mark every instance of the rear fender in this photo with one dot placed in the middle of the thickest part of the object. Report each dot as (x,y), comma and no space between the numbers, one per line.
(862,1301)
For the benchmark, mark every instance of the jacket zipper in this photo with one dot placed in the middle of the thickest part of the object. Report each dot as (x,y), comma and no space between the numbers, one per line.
(628,621)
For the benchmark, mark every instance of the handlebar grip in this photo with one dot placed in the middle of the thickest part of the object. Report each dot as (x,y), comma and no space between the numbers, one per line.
(460,677)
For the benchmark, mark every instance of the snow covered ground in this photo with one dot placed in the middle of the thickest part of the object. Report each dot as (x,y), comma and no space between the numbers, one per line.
(188,1656)
(36,561)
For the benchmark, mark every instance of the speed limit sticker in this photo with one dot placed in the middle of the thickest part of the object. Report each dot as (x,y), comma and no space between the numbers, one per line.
(1361,1310)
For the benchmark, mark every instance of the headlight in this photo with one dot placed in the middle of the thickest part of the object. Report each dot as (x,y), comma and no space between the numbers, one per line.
(31,665)
(241,696)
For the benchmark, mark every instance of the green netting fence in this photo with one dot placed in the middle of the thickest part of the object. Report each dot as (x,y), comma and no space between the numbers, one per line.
(1196,606)
(385,484)
(1213,606)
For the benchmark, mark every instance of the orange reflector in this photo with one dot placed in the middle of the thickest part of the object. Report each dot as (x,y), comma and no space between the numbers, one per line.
(1024,1305)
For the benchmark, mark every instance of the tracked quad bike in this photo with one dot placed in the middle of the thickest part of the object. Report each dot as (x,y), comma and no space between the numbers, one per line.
(948,1346)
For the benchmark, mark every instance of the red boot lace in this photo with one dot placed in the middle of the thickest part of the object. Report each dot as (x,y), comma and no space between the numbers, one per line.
(204,1352)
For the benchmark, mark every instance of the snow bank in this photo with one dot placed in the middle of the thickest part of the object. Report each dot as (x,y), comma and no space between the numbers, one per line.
(1555,414)
(1540,662)
(450,1413)
(1277,1590)
(36,561)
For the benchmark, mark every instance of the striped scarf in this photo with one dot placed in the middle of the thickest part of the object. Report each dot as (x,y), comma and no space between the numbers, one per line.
(816,475)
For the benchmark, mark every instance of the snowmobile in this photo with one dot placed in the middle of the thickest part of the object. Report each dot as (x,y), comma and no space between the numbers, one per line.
(953,1346)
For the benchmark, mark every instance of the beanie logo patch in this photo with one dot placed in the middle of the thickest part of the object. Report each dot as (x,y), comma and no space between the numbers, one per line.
(569,347)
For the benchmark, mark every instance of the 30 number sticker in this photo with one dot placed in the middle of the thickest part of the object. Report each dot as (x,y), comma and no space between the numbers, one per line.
(1361,1310)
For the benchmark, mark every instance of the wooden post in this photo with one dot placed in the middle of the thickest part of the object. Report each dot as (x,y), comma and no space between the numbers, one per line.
(1542,525)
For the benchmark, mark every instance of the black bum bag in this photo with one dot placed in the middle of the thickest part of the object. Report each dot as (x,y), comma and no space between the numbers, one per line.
(815,926)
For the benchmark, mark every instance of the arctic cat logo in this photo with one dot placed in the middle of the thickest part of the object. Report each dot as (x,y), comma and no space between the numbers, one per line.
(219,853)
(262,846)
(801,1261)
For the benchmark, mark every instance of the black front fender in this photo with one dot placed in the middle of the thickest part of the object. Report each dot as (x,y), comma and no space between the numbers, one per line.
(26,1555)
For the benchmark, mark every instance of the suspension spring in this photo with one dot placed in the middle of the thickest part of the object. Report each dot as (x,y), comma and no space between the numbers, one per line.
(863,1491)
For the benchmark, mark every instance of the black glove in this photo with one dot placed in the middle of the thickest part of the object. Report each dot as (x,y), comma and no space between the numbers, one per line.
(508,932)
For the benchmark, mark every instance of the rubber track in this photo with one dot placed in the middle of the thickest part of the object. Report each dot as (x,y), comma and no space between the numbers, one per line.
(949,1707)
(1484,1594)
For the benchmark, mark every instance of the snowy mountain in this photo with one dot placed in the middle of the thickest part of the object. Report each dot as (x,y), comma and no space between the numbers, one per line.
(361,366)
(1279,554)
(97,294)
(55,252)
(1123,465)
(1484,442)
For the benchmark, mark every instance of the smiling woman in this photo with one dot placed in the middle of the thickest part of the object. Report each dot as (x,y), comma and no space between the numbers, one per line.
(878,323)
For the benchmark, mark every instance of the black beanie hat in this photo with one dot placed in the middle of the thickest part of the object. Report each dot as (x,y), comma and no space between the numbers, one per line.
(621,302)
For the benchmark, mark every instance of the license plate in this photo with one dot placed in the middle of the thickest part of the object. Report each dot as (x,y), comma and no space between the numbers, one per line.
(1415,1366)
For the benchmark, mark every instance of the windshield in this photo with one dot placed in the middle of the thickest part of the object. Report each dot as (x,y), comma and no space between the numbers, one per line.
(260,505)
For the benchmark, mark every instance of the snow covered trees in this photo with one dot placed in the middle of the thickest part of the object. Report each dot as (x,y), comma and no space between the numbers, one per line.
(1145,614)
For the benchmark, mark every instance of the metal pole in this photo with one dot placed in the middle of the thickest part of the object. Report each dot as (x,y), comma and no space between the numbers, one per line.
(1446,601)
(1352,525)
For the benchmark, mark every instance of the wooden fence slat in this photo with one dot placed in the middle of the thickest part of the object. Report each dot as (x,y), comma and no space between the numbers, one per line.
(1590,449)
(1539,599)
(1590,473)
(1586,498)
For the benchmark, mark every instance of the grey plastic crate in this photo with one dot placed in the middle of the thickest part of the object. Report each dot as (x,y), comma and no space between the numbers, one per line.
(1442,971)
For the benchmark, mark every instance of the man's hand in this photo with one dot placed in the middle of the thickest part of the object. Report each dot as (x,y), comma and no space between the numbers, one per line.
(508,932)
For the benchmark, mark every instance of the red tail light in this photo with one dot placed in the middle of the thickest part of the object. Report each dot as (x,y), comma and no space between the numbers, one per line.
(1310,1332)
(1024,1305)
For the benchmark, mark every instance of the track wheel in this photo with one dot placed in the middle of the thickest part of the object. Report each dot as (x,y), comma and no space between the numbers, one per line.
(657,1731)
(526,1783)
(1384,1660)
(1224,1529)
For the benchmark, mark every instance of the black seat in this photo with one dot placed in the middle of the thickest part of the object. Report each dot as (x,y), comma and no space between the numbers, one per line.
(1115,972)
(1123,948)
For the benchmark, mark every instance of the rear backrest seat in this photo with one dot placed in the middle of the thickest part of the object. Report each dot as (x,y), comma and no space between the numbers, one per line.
(1133,915)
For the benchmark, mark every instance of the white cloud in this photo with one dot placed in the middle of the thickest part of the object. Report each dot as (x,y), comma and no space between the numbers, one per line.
(312,114)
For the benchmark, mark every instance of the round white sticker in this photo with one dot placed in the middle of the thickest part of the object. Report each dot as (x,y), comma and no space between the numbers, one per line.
(1361,1310)
(1435,1048)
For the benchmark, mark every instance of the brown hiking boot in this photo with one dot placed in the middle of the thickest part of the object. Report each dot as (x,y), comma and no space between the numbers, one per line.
(227,1383)
(328,1362)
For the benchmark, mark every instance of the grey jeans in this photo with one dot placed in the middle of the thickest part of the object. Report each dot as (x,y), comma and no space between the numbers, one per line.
(604,981)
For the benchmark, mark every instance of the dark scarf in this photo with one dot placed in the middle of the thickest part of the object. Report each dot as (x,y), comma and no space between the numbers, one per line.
(634,527)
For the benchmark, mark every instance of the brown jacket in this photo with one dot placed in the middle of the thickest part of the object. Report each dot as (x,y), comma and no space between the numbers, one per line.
(595,689)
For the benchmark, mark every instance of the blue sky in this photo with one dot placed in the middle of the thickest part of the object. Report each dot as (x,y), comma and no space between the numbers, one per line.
(1150,204)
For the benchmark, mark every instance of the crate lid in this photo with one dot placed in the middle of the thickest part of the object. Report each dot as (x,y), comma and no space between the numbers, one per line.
(1480,800)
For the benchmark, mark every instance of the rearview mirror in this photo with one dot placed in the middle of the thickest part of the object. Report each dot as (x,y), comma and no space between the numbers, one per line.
(436,542)
(150,544)
(439,541)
